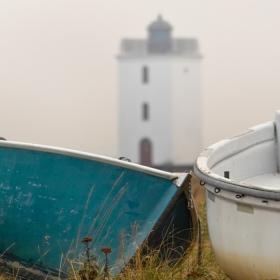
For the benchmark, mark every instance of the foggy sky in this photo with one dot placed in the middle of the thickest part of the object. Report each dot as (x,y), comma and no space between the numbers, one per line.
(58,74)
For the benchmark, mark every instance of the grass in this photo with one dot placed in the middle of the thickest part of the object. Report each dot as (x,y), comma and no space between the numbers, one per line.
(149,268)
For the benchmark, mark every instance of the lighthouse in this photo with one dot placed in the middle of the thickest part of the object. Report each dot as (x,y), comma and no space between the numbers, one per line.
(160,98)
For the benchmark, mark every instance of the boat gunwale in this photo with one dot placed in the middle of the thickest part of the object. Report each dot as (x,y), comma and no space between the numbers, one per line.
(203,171)
(237,188)
(92,157)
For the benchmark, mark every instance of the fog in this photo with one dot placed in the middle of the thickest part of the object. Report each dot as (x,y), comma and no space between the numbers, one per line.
(58,74)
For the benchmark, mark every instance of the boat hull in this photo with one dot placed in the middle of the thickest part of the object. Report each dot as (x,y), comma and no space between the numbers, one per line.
(51,198)
(243,208)
(244,235)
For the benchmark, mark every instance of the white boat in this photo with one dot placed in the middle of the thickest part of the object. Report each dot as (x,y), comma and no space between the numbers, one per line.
(242,181)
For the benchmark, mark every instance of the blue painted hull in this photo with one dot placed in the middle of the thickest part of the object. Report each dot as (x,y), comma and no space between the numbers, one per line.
(50,199)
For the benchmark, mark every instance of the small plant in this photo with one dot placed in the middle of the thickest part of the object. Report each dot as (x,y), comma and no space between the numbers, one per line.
(90,270)
(106,251)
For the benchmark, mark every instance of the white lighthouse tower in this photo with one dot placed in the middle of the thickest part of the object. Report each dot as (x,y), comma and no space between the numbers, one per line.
(159,104)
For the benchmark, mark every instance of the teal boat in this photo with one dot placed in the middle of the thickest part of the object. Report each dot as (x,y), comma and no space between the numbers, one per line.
(51,198)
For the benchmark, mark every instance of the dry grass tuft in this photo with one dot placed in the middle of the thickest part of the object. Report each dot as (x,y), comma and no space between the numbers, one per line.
(150,268)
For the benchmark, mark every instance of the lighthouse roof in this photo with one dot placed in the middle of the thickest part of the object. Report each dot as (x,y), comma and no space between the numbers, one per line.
(160,42)
(159,25)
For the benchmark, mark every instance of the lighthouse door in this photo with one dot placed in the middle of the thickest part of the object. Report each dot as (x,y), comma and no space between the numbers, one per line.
(146,152)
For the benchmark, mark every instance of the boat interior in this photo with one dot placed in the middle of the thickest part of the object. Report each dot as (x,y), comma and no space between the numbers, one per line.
(250,159)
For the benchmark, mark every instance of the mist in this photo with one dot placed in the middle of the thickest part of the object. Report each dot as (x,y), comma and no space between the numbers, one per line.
(58,74)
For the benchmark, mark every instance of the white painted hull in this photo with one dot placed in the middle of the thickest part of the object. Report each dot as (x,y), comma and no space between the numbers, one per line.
(243,212)
(245,238)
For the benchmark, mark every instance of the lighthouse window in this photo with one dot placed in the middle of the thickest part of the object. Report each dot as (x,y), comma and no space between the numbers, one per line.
(145,111)
(145,74)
